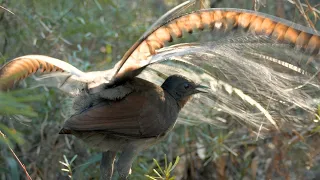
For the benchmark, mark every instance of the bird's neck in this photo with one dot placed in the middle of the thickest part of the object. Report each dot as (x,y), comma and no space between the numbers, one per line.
(183,101)
(180,102)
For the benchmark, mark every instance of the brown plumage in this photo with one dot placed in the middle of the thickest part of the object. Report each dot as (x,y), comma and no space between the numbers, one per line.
(130,116)
(134,122)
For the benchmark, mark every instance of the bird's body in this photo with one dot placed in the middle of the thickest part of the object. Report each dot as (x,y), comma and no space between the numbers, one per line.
(136,116)
(147,111)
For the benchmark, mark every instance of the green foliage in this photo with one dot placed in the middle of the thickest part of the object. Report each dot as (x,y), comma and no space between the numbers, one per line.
(11,136)
(68,165)
(164,173)
(14,103)
(91,35)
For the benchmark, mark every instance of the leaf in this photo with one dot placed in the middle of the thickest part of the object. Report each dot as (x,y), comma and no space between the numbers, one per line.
(175,163)
(165,161)
(156,162)
(13,168)
(168,169)
(150,177)
(74,158)
(12,104)
(66,170)
(81,168)
(11,135)
(98,5)
(155,171)
(66,160)
(65,164)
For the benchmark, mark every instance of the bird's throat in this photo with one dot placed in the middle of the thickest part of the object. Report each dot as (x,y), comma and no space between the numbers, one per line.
(183,101)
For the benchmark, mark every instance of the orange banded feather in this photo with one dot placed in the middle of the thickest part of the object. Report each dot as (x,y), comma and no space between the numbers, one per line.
(281,30)
(22,67)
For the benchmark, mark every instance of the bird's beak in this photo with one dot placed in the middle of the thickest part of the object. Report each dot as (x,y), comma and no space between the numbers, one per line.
(202,89)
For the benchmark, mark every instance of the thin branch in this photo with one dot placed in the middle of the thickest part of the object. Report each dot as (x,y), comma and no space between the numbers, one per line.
(7,10)
(314,9)
(300,135)
(302,12)
(17,159)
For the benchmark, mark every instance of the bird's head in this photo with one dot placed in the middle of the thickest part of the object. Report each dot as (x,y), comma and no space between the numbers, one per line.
(181,88)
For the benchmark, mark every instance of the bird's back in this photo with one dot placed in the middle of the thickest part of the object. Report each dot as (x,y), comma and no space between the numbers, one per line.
(148,111)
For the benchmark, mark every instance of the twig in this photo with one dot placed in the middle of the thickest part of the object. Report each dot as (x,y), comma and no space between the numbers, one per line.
(300,136)
(7,10)
(16,157)
(310,8)
(302,12)
(314,9)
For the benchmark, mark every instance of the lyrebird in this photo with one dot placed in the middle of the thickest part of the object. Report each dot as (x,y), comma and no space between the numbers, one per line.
(253,78)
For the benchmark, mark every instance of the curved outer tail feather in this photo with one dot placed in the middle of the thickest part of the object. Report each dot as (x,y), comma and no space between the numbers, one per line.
(278,29)
(24,66)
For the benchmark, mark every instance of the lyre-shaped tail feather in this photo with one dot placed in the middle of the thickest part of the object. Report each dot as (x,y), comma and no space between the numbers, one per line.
(24,66)
(278,29)
(245,84)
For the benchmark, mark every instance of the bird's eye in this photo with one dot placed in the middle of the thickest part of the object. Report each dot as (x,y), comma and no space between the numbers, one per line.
(186,85)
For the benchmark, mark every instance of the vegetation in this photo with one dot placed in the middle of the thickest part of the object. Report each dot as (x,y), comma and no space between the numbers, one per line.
(93,35)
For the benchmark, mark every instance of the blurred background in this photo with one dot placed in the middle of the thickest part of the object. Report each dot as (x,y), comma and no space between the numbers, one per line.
(93,35)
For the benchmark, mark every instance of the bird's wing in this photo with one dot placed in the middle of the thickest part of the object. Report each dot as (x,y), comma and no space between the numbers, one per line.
(119,117)
(280,30)
(57,73)
(22,67)
(127,117)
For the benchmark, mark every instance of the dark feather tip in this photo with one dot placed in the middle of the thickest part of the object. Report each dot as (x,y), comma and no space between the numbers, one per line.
(65,131)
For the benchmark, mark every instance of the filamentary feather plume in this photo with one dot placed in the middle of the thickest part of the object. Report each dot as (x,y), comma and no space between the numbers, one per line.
(259,79)
(264,72)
